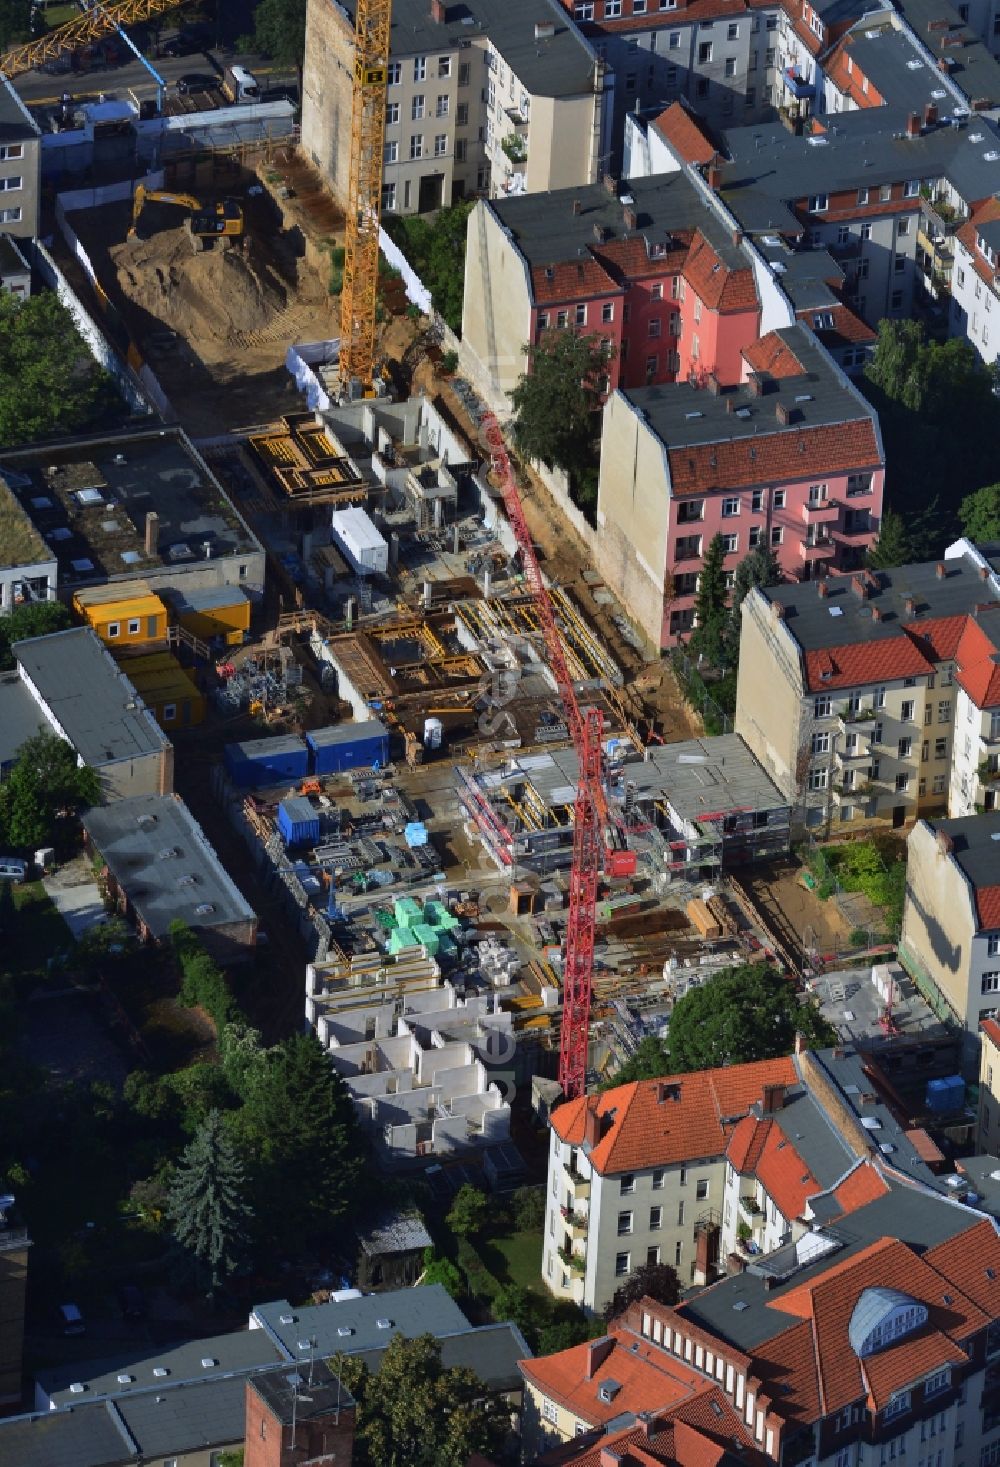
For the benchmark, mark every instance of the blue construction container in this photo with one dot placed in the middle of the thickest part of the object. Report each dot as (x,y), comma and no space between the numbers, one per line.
(258,762)
(349,746)
(945,1097)
(298,822)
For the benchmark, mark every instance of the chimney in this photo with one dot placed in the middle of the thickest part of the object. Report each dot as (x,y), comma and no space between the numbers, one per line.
(600,233)
(783,413)
(860,587)
(777,611)
(629,215)
(730,404)
(576,206)
(945,844)
(591,1126)
(930,114)
(821,587)
(544,30)
(713,176)
(876,614)
(909,605)
(713,384)
(939,570)
(938,25)
(773,1099)
(611,1457)
(152,532)
(610,183)
(737,238)
(438,12)
(755,384)
(984,572)
(913,125)
(597,1352)
(800,1042)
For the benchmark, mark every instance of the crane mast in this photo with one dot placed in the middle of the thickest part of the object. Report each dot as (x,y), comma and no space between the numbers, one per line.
(360,287)
(591,819)
(80,31)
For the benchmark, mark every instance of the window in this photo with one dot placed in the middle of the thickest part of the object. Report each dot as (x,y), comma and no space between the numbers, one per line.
(730,506)
(730,544)
(897,1405)
(779,498)
(443,105)
(896,301)
(704,52)
(391,114)
(562,319)
(862,196)
(608,312)
(388,198)
(821,742)
(701,1189)
(627,1184)
(652,1254)
(906,710)
(653,327)
(133,627)
(902,783)
(417,106)
(417,145)
(543,320)
(938,784)
(419,68)
(169,712)
(394,73)
(885,193)
(993,945)
(777,535)
(440,144)
(991,983)
(460,150)
(940,748)
(464,74)
(818,779)
(903,228)
(444,66)
(944,711)
(550,1411)
(817,203)
(114,629)
(584,11)
(939,1381)
(756,537)
(674,41)
(655,1218)
(657,1182)
(9,185)
(656,291)
(817,495)
(866,233)
(10,216)
(680,1213)
(733,33)
(730,66)
(757,501)
(624,1224)
(899,264)
(622,1265)
(905,748)
(390,153)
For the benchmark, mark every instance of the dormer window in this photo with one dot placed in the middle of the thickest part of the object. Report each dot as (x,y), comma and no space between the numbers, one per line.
(985,250)
(898,1405)
(881,1317)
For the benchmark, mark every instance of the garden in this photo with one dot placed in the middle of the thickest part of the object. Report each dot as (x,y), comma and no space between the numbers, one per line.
(875,868)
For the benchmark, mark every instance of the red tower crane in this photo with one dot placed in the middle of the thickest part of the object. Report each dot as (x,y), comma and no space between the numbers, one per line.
(592,827)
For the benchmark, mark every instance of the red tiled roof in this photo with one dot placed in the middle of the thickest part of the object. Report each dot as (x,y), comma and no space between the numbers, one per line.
(988,902)
(968,1261)
(685,135)
(977,672)
(919,1355)
(782,458)
(991,1029)
(788,1360)
(864,662)
(772,355)
(628,259)
(665,1442)
(862,1186)
(967,234)
(720,288)
(784,1175)
(924,1145)
(939,637)
(650,1379)
(641,1130)
(746,1143)
(847,328)
(571,281)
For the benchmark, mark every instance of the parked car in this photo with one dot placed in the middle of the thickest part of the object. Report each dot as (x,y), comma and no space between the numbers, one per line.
(198,81)
(12,869)
(72,1321)
(187,41)
(132,1302)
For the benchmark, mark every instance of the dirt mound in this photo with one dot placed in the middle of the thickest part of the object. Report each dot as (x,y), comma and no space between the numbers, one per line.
(221,293)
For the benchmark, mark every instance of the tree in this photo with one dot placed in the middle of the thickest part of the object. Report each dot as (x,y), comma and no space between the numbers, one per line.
(893,544)
(280,31)
(49,383)
(32,619)
(469,1212)
(742,1014)
(513,1302)
(528,1208)
(759,567)
(207,1205)
(297,1126)
(442,1271)
(980,513)
(415,1413)
(710,606)
(46,787)
(15,22)
(556,400)
(656,1280)
(648,1063)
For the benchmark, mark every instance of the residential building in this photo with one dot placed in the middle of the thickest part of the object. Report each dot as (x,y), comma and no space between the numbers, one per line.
(656,1437)
(951,919)
(876,1331)
(988,1118)
(636,1175)
(303,1415)
(158,868)
(872,697)
(791,458)
(975,303)
(20,166)
(28,566)
(651,267)
(87,700)
(15,272)
(481,99)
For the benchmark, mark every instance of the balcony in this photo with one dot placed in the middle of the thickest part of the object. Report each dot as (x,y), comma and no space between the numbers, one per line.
(857,533)
(848,758)
(940,219)
(826,512)
(580,1185)
(848,250)
(577,1223)
(576,1261)
(988,770)
(854,720)
(752,1211)
(813,550)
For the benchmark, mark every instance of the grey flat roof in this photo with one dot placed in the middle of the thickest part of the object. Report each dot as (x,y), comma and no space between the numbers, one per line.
(808,615)
(972,65)
(845,1068)
(278,744)
(20,716)
(346,733)
(429,1309)
(491,1351)
(167,1423)
(132,836)
(560,66)
(300,1393)
(16,122)
(683,416)
(102,714)
(87,1436)
(208,598)
(238,1351)
(851,992)
(395,1232)
(975,846)
(546,229)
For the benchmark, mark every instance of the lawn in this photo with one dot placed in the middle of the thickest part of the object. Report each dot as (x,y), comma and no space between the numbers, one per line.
(37,934)
(57,15)
(516,1258)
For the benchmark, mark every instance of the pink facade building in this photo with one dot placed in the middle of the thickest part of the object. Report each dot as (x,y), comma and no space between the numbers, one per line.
(790,457)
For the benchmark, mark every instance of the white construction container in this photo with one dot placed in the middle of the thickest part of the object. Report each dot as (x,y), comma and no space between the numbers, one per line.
(359,542)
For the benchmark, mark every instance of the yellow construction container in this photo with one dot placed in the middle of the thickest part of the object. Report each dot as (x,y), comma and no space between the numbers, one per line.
(125,614)
(217,611)
(167,689)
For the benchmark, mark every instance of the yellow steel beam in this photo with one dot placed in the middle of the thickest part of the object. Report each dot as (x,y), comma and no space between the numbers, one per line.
(80,31)
(360,286)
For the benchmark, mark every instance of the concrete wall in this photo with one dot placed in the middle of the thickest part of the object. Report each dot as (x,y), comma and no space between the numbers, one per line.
(564,137)
(327,92)
(939,928)
(496,313)
(770,706)
(153,774)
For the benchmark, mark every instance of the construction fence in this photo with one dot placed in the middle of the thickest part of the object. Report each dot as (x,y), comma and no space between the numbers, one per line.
(695,690)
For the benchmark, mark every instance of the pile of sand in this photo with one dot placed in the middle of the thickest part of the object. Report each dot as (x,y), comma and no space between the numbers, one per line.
(218,293)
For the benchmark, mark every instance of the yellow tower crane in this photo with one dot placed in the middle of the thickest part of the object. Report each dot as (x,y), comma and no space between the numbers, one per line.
(364,208)
(80,31)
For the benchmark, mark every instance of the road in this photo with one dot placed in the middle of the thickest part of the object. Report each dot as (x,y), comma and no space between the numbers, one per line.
(36,88)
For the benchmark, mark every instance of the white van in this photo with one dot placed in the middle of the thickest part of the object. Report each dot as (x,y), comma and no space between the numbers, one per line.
(240,85)
(11,869)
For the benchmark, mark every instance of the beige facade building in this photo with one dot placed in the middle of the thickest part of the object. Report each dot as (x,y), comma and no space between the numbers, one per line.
(20,166)
(481,99)
(988,1128)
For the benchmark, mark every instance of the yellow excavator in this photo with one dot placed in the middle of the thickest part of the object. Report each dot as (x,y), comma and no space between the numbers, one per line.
(223,222)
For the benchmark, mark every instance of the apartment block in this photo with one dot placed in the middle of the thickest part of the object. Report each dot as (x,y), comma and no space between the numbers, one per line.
(791,458)
(20,166)
(951,921)
(649,265)
(481,99)
(872,698)
(988,1119)
(874,1336)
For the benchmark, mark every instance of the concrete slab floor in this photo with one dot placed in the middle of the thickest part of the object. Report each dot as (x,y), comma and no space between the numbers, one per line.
(75,895)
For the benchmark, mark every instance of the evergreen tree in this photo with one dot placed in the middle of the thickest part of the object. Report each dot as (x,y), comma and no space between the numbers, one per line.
(893,544)
(710,606)
(556,401)
(758,568)
(206,1204)
(980,514)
